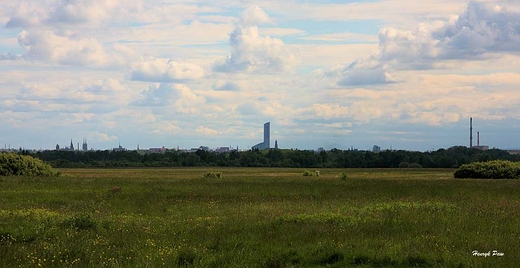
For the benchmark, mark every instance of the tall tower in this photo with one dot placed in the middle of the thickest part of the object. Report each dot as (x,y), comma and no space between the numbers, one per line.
(85,145)
(267,134)
(71,146)
(471,132)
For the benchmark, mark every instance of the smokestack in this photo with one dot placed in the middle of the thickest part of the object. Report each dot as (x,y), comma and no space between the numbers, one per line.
(471,132)
(478,138)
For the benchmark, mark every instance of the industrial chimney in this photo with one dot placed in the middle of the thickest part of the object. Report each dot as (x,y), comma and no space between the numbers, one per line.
(471,132)
(478,138)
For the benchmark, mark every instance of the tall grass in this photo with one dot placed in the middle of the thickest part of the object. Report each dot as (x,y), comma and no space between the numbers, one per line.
(257,218)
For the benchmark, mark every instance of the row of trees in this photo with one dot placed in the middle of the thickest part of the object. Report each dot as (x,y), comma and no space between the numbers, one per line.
(443,158)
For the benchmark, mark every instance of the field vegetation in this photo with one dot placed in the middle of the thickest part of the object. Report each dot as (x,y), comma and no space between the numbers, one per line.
(497,169)
(257,217)
(12,164)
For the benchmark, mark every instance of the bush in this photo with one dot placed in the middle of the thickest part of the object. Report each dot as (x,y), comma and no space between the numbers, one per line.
(12,164)
(209,175)
(404,165)
(307,173)
(415,165)
(497,169)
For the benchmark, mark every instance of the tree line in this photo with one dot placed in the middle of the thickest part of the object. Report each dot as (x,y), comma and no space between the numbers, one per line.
(453,157)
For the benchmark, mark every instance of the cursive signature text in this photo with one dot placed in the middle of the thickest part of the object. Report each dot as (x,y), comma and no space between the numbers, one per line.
(493,253)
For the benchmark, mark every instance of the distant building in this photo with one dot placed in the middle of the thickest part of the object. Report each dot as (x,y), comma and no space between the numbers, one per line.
(119,149)
(376,149)
(57,147)
(85,145)
(276,144)
(267,136)
(71,148)
(223,149)
(157,150)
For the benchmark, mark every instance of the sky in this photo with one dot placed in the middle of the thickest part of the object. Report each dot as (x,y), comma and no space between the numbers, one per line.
(399,74)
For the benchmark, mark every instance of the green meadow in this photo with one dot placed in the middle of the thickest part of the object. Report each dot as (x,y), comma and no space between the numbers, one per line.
(258,217)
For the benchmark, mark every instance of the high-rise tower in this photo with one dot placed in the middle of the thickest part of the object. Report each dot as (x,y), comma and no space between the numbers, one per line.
(267,134)
(267,138)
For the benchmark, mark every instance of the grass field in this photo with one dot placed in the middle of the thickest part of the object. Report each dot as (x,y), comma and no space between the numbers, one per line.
(258,218)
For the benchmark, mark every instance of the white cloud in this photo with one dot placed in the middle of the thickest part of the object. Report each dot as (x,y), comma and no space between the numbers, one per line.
(206,131)
(482,28)
(407,49)
(251,52)
(25,15)
(165,128)
(361,73)
(177,96)
(330,110)
(81,11)
(101,137)
(342,37)
(159,70)
(254,15)
(228,86)
(48,46)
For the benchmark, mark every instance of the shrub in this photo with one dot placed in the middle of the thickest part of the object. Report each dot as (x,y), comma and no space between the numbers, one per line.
(497,169)
(209,175)
(415,165)
(308,173)
(344,176)
(404,165)
(12,164)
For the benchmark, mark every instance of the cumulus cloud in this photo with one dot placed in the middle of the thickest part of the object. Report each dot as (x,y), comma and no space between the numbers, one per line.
(228,86)
(328,111)
(47,46)
(9,56)
(178,96)
(251,52)
(206,131)
(99,97)
(166,128)
(361,73)
(101,137)
(482,28)
(79,11)
(408,49)
(254,15)
(159,70)
(63,12)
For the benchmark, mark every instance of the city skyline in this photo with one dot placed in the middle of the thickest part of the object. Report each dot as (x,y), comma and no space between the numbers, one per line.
(334,74)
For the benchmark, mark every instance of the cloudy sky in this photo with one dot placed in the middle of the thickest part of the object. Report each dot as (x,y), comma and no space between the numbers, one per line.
(334,73)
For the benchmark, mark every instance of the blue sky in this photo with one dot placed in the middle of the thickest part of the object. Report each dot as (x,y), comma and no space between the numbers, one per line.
(394,73)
